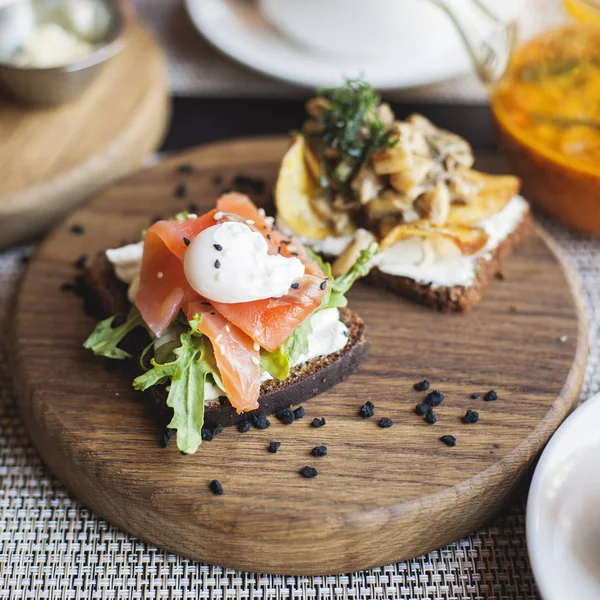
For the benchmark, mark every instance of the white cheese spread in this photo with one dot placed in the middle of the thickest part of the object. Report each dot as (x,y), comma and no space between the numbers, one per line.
(127,262)
(413,257)
(229,263)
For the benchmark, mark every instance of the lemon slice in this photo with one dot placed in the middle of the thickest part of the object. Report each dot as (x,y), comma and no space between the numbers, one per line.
(295,189)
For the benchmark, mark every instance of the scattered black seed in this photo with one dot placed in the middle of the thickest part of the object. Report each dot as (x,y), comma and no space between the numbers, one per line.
(67,287)
(422,409)
(496,446)
(296,254)
(186,241)
(167,434)
(299,413)
(204,302)
(207,434)
(274,446)
(77,229)
(309,472)
(421,386)
(186,168)
(318,422)
(434,398)
(430,417)
(323,285)
(156,219)
(216,487)
(278,249)
(261,422)
(218,248)
(80,262)
(217,429)
(295,286)
(181,191)
(475,395)
(217,179)
(244,426)
(286,416)
(319,451)
(213,313)
(286,242)
(449,440)
(491,396)
(254,184)
(471,416)
(385,422)
(217,264)
(192,208)
(268,236)
(367,410)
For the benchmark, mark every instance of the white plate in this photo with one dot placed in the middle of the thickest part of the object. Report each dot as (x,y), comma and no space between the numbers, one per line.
(237,28)
(563,509)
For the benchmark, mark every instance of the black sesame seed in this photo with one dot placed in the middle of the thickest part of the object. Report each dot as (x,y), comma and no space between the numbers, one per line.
(274,446)
(385,422)
(244,426)
(296,254)
(217,264)
(268,236)
(278,249)
(318,422)
(434,398)
(323,285)
(319,451)
(216,487)
(80,262)
(299,413)
(430,417)
(286,416)
(491,396)
(295,286)
(449,440)
(421,386)
(367,410)
(207,434)
(186,168)
(308,472)
(213,313)
(475,395)
(261,422)
(217,179)
(205,303)
(286,241)
(77,229)
(181,191)
(186,241)
(218,248)
(192,207)
(67,287)
(422,409)
(471,416)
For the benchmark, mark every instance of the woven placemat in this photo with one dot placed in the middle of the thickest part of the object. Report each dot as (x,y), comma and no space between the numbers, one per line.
(52,547)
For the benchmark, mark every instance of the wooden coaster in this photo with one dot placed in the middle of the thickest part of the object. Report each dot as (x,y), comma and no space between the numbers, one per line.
(53,158)
(381,495)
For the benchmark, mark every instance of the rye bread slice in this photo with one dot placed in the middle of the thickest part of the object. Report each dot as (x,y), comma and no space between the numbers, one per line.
(104,295)
(457,298)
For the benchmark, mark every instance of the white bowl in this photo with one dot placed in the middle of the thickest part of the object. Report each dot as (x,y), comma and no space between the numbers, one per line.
(563,509)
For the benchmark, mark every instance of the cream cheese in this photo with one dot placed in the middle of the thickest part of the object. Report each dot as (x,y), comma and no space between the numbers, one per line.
(229,263)
(412,257)
(127,262)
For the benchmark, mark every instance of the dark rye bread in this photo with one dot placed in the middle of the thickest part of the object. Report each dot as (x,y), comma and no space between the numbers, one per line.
(104,295)
(457,298)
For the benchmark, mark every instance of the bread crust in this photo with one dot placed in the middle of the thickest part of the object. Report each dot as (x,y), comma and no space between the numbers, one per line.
(457,298)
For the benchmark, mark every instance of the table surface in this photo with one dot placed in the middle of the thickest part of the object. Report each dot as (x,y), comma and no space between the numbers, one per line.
(51,546)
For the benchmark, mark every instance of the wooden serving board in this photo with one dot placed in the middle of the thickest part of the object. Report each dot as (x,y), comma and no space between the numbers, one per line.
(381,495)
(53,158)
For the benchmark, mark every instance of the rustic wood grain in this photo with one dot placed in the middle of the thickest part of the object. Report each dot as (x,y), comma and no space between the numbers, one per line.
(53,158)
(381,495)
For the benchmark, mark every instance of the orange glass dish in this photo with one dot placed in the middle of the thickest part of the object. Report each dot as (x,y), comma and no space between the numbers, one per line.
(547,109)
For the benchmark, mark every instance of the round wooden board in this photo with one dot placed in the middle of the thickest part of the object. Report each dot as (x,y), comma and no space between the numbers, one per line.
(53,158)
(382,495)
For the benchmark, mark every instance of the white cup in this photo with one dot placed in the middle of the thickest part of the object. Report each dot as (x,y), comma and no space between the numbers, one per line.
(362,28)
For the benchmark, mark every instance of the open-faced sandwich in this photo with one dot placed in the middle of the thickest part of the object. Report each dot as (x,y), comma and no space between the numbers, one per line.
(230,316)
(355,175)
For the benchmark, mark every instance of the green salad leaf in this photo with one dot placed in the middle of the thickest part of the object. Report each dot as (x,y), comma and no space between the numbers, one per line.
(276,363)
(297,344)
(105,338)
(187,374)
